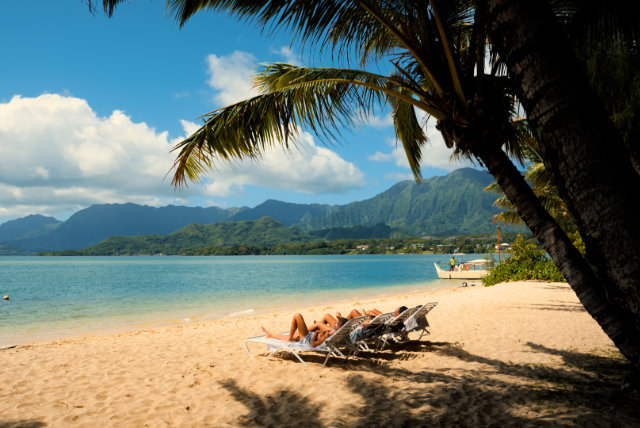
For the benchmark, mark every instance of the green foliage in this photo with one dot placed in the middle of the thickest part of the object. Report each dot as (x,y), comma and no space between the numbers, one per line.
(227,239)
(439,206)
(527,262)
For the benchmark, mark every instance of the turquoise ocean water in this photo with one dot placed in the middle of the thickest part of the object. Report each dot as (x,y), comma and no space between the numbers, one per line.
(52,297)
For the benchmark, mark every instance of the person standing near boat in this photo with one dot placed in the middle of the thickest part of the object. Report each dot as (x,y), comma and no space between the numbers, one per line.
(452,262)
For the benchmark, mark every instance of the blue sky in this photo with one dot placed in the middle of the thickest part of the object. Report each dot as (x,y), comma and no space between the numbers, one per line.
(90,108)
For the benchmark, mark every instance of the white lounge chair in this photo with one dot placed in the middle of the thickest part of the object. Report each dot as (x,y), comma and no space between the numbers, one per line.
(337,345)
(411,320)
(372,330)
(418,321)
(393,327)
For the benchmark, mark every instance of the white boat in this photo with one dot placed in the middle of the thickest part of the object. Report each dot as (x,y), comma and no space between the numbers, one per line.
(474,269)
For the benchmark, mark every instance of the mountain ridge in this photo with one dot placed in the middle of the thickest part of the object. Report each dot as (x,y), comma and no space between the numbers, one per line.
(454,204)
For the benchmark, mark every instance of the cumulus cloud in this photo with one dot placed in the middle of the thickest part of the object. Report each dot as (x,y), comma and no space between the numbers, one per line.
(306,168)
(434,154)
(380,121)
(230,77)
(57,156)
(288,54)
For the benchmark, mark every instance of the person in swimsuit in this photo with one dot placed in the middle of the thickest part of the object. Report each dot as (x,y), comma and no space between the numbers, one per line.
(329,320)
(313,335)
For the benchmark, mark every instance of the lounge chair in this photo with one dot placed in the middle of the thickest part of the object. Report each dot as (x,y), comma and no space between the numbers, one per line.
(338,344)
(418,321)
(393,327)
(411,320)
(371,331)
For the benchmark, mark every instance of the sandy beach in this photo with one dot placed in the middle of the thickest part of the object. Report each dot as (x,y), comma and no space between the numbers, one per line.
(516,354)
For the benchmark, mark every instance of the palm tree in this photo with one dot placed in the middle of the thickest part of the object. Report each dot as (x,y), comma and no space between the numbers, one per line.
(438,51)
(542,184)
(582,149)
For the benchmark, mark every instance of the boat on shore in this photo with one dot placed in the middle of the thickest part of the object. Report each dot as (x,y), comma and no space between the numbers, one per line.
(474,269)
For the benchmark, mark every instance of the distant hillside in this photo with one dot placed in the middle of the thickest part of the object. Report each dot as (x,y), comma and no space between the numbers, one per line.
(263,232)
(357,232)
(11,251)
(286,212)
(455,204)
(26,227)
(98,222)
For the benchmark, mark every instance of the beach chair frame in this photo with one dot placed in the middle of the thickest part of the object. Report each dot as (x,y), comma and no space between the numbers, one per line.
(337,345)
(418,322)
(411,320)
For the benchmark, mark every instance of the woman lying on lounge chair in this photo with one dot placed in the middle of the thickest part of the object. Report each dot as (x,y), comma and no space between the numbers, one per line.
(372,313)
(313,335)
(328,320)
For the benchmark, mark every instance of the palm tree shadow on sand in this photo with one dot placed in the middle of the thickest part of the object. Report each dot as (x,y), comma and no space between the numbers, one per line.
(22,424)
(587,390)
(279,408)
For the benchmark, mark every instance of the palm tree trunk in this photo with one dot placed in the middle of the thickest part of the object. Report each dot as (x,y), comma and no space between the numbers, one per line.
(570,262)
(585,153)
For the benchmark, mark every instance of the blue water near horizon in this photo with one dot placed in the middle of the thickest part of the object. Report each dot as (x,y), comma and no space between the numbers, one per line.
(53,297)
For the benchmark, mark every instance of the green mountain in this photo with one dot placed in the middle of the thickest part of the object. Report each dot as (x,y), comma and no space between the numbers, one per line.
(98,222)
(27,227)
(455,204)
(262,232)
(286,212)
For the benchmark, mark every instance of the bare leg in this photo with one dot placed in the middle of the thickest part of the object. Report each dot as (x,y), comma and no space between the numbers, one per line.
(372,312)
(354,314)
(270,335)
(297,331)
(298,328)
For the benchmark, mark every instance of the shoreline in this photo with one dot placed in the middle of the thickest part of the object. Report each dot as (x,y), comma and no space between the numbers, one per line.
(522,353)
(125,323)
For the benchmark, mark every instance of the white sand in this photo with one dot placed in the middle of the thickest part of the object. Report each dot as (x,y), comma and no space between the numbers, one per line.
(514,354)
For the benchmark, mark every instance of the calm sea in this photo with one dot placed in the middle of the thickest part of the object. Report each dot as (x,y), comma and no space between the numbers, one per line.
(53,297)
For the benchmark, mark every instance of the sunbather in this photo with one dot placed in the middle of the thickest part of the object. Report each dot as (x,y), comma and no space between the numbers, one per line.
(313,335)
(371,313)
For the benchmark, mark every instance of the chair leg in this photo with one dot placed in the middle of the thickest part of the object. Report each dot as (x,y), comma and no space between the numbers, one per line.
(326,359)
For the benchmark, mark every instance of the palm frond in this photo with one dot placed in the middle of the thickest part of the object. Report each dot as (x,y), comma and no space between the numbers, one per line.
(108,5)
(322,100)
(369,29)
(448,51)
(278,76)
(409,132)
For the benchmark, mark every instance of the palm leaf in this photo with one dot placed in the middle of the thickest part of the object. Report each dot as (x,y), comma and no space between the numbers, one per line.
(320,99)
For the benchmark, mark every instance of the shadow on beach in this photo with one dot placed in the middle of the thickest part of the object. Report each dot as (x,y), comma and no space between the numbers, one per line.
(586,390)
(22,424)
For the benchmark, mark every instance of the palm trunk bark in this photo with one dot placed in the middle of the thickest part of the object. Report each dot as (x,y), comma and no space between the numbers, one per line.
(585,153)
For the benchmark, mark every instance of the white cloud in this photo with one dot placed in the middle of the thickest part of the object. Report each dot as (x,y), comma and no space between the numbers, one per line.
(306,168)
(57,156)
(290,57)
(396,155)
(41,172)
(230,76)
(380,121)
(434,154)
